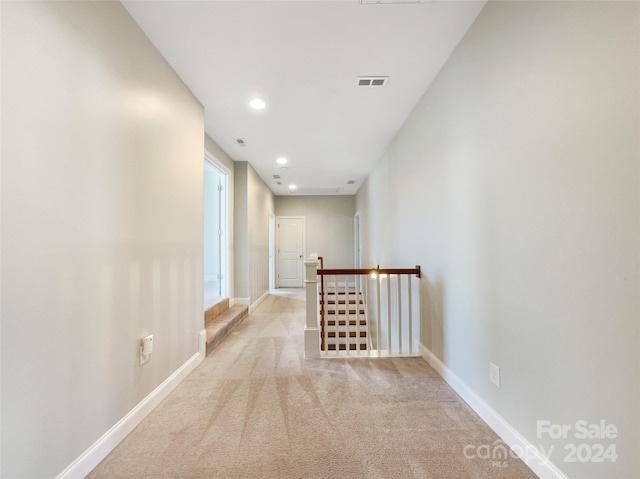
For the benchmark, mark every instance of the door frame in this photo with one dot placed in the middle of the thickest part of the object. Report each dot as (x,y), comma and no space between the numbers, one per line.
(226,224)
(277,247)
(272,251)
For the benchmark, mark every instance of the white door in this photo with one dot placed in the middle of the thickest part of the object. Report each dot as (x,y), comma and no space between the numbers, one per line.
(290,251)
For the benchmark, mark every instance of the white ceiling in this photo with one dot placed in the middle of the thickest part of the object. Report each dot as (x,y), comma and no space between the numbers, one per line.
(303,59)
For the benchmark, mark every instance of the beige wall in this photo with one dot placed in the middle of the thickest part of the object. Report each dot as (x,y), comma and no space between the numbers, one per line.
(261,204)
(213,148)
(515,185)
(254,201)
(329,221)
(102,241)
(241,230)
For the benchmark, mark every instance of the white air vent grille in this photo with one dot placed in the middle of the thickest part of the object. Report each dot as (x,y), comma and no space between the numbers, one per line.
(351,182)
(276,177)
(372,81)
(241,142)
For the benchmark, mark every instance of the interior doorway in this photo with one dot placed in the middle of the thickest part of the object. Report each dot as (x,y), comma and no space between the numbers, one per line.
(215,233)
(290,246)
(272,249)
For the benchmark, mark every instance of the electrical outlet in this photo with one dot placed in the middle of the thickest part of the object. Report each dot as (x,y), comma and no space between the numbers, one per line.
(146,348)
(494,374)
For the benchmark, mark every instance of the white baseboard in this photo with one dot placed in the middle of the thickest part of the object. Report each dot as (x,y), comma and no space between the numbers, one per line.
(103,446)
(537,462)
(258,301)
(239,302)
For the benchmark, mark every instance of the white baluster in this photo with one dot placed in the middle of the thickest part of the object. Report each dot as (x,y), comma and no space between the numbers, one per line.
(400,349)
(410,308)
(378,314)
(388,314)
(367,311)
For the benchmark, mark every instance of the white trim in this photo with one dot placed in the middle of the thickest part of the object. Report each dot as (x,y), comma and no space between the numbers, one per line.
(103,446)
(272,251)
(368,353)
(228,213)
(215,161)
(539,464)
(239,302)
(258,301)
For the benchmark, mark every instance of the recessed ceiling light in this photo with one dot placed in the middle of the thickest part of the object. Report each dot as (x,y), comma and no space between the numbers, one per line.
(281,161)
(257,104)
(292,187)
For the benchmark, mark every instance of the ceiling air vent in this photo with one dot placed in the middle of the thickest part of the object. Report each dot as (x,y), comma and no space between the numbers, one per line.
(276,177)
(372,81)
(241,142)
(351,182)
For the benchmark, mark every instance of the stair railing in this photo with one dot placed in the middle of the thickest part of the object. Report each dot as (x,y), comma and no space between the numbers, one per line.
(322,307)
(384,320)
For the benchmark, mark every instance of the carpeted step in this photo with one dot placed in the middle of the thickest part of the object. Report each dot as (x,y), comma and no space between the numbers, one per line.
(345,319)
(220,326)
(343,322)
(343,312)
(343,334)
(342,301)
(343,347)
(216,310)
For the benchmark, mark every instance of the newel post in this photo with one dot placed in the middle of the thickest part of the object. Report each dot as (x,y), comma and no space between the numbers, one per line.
(311,330)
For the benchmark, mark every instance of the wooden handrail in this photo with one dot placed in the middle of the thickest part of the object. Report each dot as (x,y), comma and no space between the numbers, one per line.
(322,323)
(416,271)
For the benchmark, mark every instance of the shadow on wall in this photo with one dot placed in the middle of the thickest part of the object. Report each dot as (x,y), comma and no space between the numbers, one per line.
(432,312)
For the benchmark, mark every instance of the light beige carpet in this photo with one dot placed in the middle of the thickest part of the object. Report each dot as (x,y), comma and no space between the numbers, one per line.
(256,409)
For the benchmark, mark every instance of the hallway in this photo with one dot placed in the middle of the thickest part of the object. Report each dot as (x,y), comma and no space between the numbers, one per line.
(256,408)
